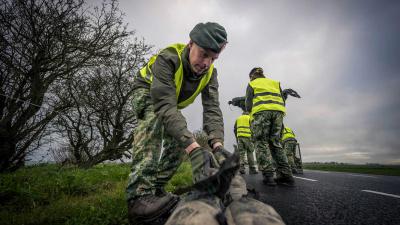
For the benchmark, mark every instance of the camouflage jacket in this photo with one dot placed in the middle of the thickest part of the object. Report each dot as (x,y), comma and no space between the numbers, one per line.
(163,94)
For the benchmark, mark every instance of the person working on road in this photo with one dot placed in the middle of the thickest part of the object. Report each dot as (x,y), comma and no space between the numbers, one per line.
(289,143)
(170,81)
(264,101)
(244,143)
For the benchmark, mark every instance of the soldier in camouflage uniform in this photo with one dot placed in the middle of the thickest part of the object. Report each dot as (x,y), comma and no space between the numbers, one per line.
(244,144)
(170,81)
(289,143)
(198,209)
(264,101)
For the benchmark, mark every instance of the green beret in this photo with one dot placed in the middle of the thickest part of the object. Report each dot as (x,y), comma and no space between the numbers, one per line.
(209,36)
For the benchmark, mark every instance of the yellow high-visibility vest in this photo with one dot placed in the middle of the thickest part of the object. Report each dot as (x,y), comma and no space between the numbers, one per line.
(267,95)
(288,133)
(243,126)
(147,75)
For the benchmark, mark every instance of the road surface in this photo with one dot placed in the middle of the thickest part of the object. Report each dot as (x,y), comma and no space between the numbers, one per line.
(334,198)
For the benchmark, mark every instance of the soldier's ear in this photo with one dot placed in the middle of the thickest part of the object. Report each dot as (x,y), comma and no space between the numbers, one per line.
(190,44)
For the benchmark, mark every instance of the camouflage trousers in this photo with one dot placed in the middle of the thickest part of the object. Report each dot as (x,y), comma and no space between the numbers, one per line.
(245,147)
(290,148)
(266,129)
(149,171)
(298,163)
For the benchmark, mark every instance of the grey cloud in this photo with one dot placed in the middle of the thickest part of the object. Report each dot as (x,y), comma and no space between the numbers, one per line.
(342,56)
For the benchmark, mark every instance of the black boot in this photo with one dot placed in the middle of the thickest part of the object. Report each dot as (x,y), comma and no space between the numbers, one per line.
(285,180)
(299,170)
(269,180)
(253,171)
(242,169)
(160,192)
(151,209)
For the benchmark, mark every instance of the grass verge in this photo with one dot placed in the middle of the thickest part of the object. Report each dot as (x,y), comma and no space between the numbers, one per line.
(391,170)
(50,194)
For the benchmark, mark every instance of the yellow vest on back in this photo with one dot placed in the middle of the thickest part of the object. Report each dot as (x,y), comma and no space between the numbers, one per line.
(243,126)
(147,75)
(267,95)
(288,133)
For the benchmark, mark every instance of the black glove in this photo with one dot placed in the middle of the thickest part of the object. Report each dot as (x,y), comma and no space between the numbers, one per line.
(203,164)
(221,154)
(291,92)
(219,183)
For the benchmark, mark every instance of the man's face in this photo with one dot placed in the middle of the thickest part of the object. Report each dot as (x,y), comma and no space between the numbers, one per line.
(200,59)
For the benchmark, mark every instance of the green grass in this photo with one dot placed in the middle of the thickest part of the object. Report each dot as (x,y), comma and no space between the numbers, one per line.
(49,194)
(391,170)
(182,178)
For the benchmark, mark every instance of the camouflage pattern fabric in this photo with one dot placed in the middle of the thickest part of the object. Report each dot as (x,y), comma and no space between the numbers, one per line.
(171,158)
(238,188)
(196,212)
(148,172)
(208,209)
(245,147)
(298,163)
(290,148)
(248,211)
(266,129)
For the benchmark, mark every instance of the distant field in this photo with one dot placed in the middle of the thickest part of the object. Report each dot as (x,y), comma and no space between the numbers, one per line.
(391,170)
(50,194)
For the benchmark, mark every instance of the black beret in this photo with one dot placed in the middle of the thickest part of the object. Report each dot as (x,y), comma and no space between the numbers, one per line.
(209,36)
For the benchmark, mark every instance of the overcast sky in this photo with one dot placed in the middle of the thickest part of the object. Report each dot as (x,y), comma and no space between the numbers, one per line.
(342,57)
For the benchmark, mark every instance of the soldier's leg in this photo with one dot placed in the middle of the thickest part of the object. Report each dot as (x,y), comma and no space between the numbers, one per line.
(297,159)
(146,146)
(288,148)
(143,205)
(295,168)
(250,155)
(298,163)
(283,171)
(242,154)
(171,158)
(260,127)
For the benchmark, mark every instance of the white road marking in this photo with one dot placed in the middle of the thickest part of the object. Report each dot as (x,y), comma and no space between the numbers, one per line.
(381,193)
(304,178)
(356,175)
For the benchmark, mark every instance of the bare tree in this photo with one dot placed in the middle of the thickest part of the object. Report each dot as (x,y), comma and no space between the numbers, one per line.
(99,124)
(43,42)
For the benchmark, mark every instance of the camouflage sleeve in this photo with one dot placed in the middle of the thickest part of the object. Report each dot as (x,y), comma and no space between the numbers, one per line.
(249,98)
(163,94)
(213,123)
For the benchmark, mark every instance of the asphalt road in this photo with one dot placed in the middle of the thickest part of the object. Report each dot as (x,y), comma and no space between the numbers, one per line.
(334,198)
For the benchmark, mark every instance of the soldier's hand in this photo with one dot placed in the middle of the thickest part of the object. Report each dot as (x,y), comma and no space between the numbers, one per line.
(203,164)
(221,154)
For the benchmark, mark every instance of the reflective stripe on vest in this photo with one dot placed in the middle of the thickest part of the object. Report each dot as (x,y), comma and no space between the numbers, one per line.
(243,126)
(267,95)
(288,133)
(147,75)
